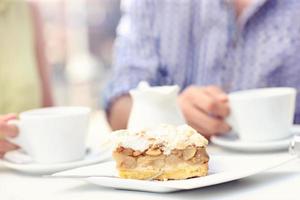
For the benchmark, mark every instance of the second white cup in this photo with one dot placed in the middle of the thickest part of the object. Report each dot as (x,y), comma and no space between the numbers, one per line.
(262,114)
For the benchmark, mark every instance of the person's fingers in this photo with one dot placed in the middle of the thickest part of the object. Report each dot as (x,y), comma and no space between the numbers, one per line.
(206,124)
(217,93)
(190,115)
(8,117)
(220,101)
(1,154)
(200,129)
(5,129)
(207,103)
(7,146)
(204,102)
(212,124)
(8,130)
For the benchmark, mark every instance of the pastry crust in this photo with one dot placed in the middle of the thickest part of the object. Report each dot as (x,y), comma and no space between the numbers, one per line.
(178,173)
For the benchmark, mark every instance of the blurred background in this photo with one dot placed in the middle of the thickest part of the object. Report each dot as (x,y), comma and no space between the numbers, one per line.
(79,37)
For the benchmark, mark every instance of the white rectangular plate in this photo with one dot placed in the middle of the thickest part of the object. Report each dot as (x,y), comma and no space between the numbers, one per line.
(221,169)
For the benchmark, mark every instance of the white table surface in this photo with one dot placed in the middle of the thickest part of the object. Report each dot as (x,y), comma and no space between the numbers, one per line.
(280,183)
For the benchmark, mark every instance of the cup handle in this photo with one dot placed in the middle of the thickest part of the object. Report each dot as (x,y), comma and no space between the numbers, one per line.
(18,140)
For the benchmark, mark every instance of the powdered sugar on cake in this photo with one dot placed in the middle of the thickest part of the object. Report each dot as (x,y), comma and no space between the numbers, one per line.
(169,137)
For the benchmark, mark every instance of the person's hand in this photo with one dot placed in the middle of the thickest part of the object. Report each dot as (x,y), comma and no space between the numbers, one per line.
(205,109)
(6,131)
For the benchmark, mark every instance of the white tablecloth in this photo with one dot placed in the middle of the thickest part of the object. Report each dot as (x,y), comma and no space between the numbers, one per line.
(280,183)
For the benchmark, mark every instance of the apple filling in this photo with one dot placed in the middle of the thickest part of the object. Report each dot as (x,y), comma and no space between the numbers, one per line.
(154,164)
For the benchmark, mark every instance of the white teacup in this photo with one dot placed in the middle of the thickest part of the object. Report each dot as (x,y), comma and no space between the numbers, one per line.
(262,114)
(53,135)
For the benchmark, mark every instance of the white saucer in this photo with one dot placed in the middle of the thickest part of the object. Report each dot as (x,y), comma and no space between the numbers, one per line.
(19,161)
(222,169)
(231,141)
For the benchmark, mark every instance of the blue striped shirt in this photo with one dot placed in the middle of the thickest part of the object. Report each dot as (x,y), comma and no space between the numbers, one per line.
(199,42)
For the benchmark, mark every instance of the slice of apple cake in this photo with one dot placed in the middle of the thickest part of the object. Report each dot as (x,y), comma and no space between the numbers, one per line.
(167,152)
